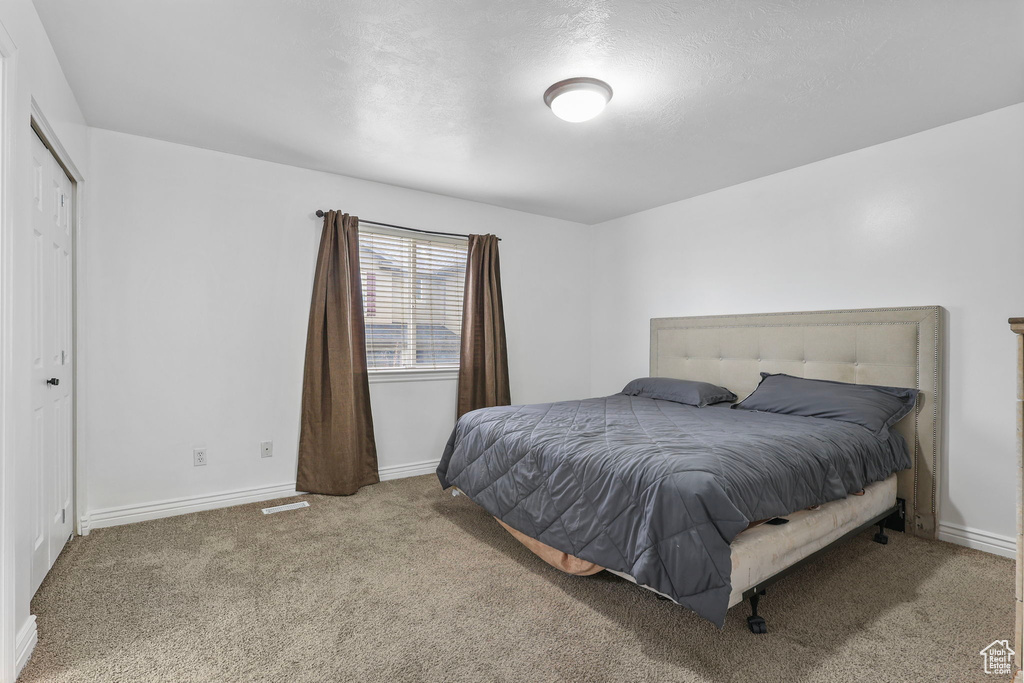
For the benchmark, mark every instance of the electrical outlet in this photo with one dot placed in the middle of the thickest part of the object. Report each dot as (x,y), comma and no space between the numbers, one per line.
(198,457)
(267,449)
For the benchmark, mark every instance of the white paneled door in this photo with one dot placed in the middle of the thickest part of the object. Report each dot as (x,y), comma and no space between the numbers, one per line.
(52,396)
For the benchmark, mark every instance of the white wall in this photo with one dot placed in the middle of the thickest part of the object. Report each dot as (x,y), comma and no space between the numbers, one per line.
(197,299)
(36,74)
(200,266)
(934,218)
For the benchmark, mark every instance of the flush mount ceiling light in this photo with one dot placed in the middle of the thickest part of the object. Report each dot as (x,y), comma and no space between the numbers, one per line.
(578,99)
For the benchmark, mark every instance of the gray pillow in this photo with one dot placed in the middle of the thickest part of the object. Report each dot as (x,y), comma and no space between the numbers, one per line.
(685,391)
(874,408)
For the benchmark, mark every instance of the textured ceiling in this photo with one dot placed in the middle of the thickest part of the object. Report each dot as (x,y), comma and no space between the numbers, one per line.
(446,96)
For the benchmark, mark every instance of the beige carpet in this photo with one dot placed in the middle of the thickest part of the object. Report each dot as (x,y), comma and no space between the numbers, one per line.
(402,582)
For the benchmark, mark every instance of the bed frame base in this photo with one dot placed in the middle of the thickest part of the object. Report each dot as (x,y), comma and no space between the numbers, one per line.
(894,518)
(756,623)
(880,537)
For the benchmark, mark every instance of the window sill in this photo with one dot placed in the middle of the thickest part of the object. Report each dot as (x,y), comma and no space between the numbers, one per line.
(441,375)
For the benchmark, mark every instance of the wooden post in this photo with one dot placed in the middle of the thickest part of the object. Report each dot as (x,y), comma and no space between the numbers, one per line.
(1017,325)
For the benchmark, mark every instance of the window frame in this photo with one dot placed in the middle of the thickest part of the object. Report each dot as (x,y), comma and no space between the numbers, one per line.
(408,374)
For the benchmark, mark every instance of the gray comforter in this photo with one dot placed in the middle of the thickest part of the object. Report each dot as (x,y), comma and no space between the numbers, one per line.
(657,489)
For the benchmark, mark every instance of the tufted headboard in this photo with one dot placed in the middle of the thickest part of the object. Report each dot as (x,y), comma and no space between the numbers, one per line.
(889,346)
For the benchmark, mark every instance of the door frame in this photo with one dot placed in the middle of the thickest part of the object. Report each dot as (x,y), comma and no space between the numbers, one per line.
(49,137)
(8,395)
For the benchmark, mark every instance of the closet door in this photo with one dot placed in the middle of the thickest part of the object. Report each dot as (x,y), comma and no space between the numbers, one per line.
(52,376)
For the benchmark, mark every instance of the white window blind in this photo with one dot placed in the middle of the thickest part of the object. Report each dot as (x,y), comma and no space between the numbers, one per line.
(412,299)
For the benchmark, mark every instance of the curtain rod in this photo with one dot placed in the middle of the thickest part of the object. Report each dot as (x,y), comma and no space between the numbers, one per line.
(320,214)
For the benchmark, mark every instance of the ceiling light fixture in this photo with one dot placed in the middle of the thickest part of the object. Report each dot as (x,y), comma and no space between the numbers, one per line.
(578,99)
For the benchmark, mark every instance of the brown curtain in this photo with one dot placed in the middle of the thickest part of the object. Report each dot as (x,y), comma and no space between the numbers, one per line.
(483,360)
(337,451)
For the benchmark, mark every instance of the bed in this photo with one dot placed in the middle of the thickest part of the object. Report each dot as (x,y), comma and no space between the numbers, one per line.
(664,494)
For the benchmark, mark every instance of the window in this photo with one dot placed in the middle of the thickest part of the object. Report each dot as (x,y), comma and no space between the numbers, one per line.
(412,299)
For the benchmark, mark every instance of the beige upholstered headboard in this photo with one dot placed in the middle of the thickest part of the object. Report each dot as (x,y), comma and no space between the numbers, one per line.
(888,346)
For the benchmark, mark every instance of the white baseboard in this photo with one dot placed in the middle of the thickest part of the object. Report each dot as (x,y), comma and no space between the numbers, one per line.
(996,544)
(412,469)
(128,514)
(26,642)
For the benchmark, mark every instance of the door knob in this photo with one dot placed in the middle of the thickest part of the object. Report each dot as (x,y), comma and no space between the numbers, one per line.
(53,380)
